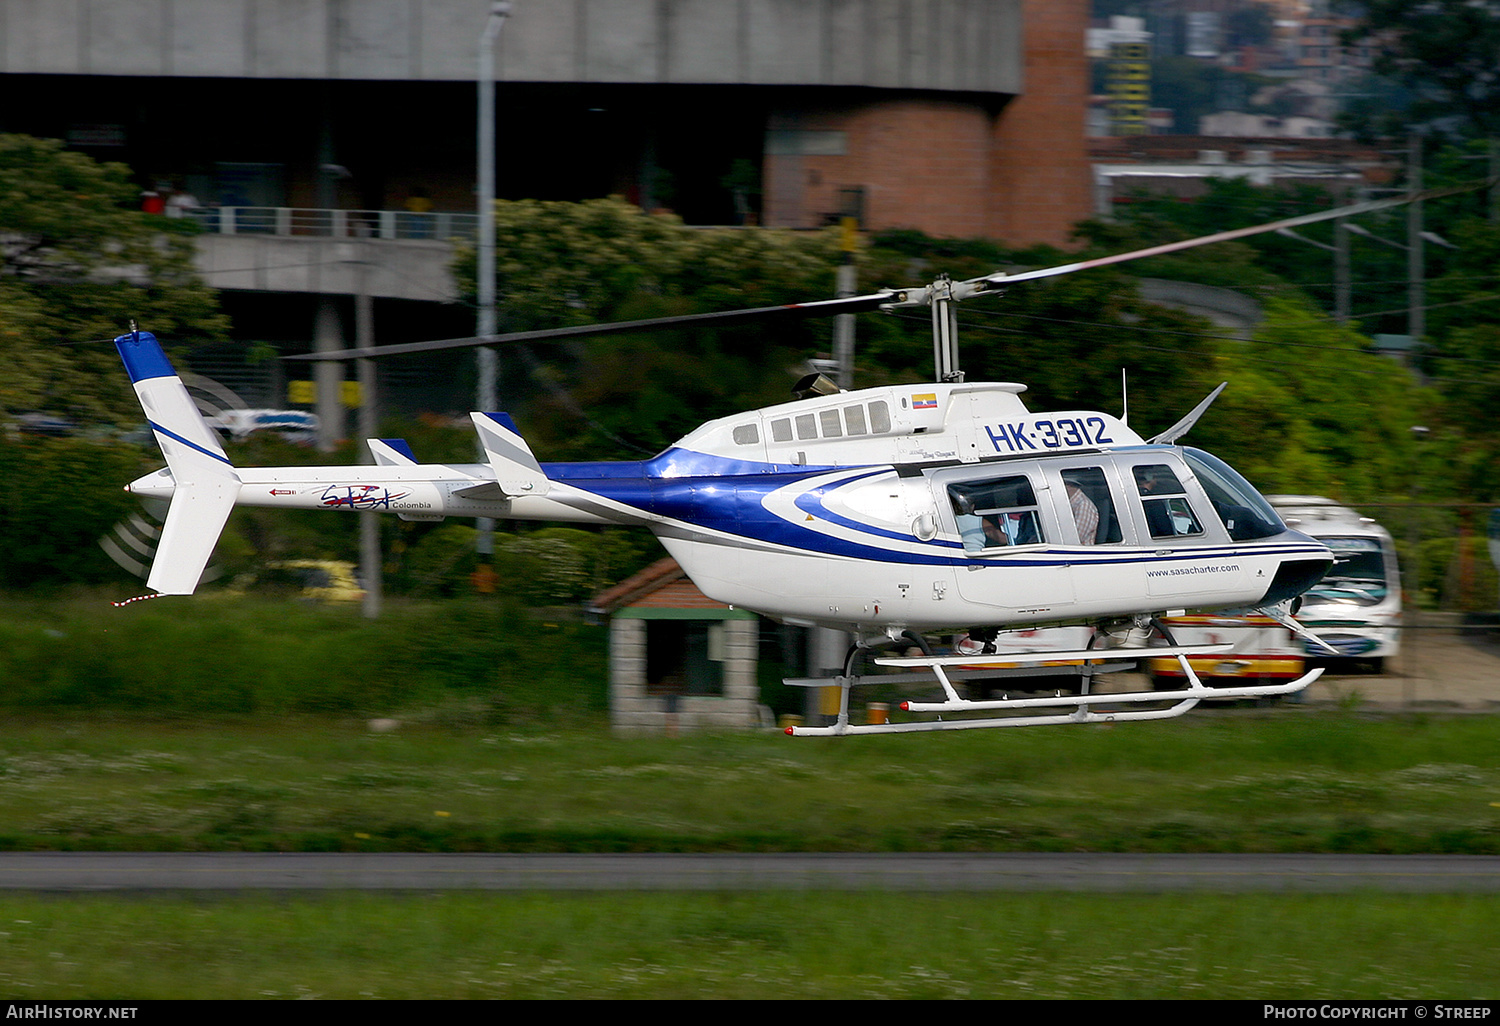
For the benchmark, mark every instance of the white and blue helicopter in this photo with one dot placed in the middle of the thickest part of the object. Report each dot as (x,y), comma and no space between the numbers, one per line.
(890,513)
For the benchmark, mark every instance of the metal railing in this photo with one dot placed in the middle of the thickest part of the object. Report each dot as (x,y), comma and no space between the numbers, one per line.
(313,223)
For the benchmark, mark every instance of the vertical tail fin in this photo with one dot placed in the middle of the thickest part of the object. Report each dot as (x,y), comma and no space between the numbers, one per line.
(205,485)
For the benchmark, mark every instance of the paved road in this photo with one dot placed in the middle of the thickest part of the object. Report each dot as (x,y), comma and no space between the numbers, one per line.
(100,871)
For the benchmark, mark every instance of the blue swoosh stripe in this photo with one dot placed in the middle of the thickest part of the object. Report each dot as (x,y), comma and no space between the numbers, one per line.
(190,444)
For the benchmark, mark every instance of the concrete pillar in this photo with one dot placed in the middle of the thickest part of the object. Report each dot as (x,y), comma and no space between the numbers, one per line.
(328,375)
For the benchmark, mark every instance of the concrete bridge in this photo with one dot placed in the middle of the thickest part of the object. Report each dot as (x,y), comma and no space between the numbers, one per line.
(385,254)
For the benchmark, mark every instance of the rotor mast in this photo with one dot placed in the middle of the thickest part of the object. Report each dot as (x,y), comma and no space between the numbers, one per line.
(945,331)
(943,297)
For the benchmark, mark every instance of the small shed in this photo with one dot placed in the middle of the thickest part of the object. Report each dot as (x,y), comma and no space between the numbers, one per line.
(678,659)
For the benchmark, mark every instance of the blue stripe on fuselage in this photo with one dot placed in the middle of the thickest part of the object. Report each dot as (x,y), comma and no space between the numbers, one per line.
(671,464)
(728,496)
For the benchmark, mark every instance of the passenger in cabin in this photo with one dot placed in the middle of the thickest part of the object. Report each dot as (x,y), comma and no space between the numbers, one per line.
(994,532)
(1085,513)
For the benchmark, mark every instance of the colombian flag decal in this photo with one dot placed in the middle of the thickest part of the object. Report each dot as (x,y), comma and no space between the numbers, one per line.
(925,401)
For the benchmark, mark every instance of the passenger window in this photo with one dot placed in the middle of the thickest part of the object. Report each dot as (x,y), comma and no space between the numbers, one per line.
(996,514)
(807,426)
(746,434)
(1168,514)
(830,419)
(1091,505)
(880,417)
(781,430)
(854,419)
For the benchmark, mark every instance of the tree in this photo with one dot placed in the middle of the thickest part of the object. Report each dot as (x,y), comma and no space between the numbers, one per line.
(1309,408)
(1446,51)
(560,263)
(78,260)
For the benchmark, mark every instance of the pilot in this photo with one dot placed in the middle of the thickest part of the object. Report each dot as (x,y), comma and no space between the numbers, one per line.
(1148,483)
(994,531)
(970,528)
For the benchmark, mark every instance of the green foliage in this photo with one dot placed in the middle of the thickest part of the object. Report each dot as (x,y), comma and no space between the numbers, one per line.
(220,654)
(1194,88)
(1445,51)
(1310,410)
(550,566)
(576,263)
(63,495)
(1227,203)
(1067,339)
(1464,359)
(77,261)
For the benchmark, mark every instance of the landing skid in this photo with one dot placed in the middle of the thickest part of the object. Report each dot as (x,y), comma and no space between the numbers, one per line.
(938,668)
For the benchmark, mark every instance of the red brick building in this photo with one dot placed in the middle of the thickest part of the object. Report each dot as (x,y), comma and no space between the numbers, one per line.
(1010,167)
(956,117)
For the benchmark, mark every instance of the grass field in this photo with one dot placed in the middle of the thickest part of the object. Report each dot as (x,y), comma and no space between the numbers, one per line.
(1281,781)
(751,946)
(245,726)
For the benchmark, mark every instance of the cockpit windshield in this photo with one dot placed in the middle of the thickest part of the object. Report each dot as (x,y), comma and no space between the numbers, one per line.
(1245,512)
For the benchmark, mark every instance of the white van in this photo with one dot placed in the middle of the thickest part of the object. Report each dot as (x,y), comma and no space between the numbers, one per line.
(1356,608)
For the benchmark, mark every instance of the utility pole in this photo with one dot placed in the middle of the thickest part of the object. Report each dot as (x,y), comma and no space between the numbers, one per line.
(370,561)
(843,324)
(1341,287)
(1416,316)
(1494,178)
(487,360)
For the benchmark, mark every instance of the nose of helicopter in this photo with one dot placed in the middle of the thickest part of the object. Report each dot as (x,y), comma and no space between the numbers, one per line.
(1297,573)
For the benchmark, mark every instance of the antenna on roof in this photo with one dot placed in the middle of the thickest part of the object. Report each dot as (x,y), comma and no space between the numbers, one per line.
(1124,400)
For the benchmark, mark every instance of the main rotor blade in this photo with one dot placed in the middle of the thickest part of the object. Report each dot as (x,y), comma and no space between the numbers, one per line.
(1001,278)
(888,298)
(818,308)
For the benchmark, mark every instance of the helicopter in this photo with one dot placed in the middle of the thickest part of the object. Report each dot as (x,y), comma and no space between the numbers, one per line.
(891,513)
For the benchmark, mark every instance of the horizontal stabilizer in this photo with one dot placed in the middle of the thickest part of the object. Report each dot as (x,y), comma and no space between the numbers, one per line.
(188,537)
(488,491)
(517,471)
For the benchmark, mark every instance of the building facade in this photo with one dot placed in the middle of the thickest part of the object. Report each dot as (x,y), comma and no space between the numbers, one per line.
(956,117)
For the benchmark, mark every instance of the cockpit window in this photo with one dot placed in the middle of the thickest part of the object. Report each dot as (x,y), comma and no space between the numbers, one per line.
(1168,514)
(1245,513)
(996,514)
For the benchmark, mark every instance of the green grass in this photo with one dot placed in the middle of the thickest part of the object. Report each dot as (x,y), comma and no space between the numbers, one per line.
(1286,781)
(751,946)
(243,725)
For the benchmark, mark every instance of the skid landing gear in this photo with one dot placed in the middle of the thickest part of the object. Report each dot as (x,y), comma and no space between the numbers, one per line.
(1085,707)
